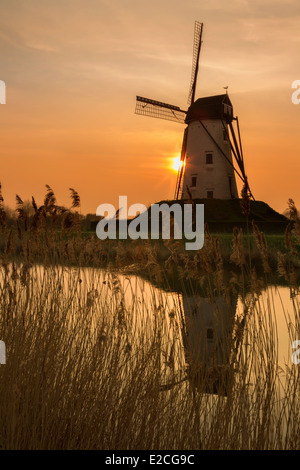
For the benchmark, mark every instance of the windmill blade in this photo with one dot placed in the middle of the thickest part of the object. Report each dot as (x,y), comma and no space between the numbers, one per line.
(179,182)
(157,109)
(234,148)
(238,150)
(220,150)
(196,55)
(240,165)
(240,141)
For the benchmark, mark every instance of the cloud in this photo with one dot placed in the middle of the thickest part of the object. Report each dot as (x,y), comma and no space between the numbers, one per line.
(41,46)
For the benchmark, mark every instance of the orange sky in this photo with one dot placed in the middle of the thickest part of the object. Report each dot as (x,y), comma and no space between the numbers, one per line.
(73,68)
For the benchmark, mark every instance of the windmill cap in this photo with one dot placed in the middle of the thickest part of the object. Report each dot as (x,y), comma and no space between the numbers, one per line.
(211,107)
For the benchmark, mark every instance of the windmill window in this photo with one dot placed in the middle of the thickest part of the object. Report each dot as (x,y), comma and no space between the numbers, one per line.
(209,158)
(194,181)
(227,109)
(210,194)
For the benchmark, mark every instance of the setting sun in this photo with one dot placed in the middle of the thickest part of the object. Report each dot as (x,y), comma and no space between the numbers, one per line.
(176,163)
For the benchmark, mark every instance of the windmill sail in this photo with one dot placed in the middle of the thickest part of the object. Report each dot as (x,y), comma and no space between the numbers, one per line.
(196,55)
(179,182)
(157,109)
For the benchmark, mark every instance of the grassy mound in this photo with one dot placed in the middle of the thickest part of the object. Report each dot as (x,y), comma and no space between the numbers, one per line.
(223,215)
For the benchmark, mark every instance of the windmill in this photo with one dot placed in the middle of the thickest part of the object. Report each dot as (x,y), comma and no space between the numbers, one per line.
(210,142)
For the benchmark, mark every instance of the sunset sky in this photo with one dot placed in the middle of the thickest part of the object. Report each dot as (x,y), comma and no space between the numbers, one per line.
(73,68)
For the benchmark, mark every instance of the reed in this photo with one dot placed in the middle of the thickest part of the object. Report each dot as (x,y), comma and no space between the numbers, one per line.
(96,358)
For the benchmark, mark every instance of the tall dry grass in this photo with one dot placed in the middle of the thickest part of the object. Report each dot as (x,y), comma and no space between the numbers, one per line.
(93,362)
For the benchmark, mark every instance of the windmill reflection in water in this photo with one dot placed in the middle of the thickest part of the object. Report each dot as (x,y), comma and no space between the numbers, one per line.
(211,343)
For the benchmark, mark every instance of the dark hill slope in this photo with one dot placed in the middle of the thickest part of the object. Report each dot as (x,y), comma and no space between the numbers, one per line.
(222,215)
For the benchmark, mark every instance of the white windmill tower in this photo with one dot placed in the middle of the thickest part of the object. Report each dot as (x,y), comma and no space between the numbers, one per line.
(209,144)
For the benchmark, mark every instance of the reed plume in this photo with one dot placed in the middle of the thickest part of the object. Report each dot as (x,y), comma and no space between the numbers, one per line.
(245,198)
(75,198)
(238,253)
(49,200)
(2,210)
